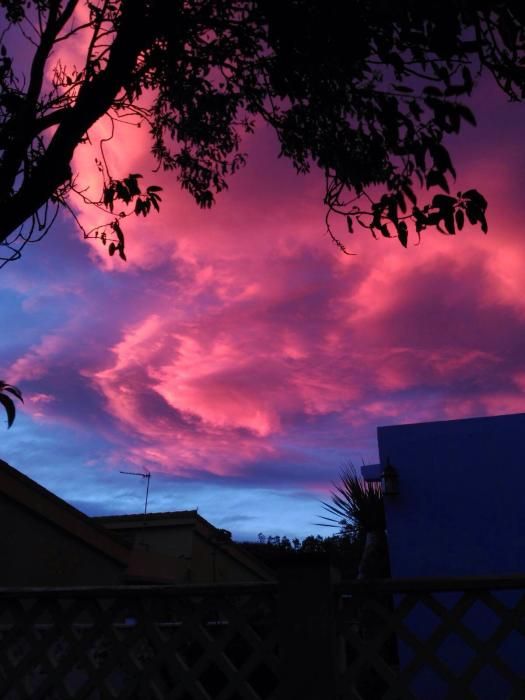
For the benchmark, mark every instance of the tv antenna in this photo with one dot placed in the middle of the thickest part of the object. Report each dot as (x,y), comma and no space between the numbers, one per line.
(145,475)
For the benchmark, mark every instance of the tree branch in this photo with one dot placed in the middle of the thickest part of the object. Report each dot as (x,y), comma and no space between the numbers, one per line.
(94,99)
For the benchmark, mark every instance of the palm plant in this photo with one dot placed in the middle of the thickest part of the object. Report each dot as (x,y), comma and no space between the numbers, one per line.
(7,402)
(357,509)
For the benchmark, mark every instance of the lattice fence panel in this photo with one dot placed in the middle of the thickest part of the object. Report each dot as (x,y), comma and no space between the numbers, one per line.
(422,644)
(184,643)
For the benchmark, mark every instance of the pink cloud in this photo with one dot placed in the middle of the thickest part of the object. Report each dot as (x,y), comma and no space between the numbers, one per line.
(239,339)
(34,364)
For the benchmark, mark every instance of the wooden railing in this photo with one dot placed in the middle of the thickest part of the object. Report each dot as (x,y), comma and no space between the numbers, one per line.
(433,639)
(306,638)
(139,642)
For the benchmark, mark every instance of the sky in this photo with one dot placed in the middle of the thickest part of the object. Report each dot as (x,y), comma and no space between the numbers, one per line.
(239,356)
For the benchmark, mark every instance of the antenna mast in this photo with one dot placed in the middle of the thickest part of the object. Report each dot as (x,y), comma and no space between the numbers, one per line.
(145,475)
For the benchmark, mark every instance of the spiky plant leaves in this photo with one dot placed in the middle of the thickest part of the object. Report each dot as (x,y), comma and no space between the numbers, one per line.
(7,402)
(356,505)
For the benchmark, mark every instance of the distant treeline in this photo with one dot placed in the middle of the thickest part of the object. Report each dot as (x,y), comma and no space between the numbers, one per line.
(339,551)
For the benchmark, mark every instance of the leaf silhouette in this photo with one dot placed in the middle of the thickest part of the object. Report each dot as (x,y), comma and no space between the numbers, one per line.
(7,402)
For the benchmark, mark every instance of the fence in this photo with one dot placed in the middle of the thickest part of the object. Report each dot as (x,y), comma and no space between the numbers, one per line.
(139,642)
(433,639)
(306,638)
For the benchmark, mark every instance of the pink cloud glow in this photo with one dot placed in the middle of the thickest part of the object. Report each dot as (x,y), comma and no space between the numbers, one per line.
(239,343)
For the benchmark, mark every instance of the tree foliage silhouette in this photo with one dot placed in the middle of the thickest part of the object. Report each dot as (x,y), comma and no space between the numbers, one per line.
(6,392)
(368,99)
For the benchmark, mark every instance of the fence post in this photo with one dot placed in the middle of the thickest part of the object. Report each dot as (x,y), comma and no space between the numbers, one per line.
(308,631)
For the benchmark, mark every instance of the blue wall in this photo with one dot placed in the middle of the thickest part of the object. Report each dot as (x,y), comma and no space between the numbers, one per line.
(460,512)
(461,506)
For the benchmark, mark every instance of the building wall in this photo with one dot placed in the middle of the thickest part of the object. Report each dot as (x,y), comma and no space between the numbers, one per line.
(33,552)
(201,560)
(173,541)
(175,544)
(460,510)
(212,564)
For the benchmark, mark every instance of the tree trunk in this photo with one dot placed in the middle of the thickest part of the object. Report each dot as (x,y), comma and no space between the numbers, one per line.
(94,99)
(374,561)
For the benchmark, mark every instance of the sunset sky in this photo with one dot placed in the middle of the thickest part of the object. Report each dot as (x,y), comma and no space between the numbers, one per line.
(239,356)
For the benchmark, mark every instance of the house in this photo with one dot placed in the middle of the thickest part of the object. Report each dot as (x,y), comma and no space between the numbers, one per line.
(459,511)
(205,553)
(47,542)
